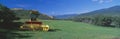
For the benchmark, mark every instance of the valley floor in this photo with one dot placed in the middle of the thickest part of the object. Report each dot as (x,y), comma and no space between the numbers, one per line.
(71,30)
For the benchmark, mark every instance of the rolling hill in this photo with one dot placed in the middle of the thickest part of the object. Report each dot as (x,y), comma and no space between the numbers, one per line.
(65,16)
(24,14)
(112,11)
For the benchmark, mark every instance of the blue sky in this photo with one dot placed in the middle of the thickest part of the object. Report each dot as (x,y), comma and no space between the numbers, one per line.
(60,7)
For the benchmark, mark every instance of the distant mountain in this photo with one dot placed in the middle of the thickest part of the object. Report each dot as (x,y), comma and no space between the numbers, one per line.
(66,16)
(112,11)
(24,14)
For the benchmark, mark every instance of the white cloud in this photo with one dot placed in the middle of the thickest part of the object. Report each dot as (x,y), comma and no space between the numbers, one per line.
(102,1)
(22,5)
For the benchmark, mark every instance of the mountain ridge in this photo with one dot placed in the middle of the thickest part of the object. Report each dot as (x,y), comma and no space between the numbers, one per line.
(66,16)
(113,11)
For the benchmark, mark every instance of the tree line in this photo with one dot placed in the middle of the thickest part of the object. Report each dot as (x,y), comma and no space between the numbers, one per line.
(7,25)
(103,20)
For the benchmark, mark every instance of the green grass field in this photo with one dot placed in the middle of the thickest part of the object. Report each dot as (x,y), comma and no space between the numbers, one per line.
(72,30)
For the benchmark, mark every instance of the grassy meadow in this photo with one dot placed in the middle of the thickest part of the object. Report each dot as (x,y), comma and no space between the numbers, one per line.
(71,30)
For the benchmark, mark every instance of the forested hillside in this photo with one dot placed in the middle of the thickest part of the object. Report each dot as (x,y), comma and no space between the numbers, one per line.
(25,14)
(105,17)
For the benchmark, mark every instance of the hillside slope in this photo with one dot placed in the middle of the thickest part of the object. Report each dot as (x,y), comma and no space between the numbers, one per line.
(65,16)
(112,11)
(24,14)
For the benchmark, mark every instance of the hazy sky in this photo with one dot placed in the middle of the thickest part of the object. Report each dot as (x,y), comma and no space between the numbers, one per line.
(59,7)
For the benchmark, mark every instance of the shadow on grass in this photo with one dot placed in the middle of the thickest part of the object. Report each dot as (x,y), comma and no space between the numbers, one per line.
(12,35)
(54,30)
(50,30)
(10,25)
(112,26)
(8,29)
(22,35)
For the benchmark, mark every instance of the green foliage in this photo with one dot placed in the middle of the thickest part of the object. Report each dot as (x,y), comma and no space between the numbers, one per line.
(25,14)
(7,15)
(6,22)
(116,21)
(104,20)
(106,17)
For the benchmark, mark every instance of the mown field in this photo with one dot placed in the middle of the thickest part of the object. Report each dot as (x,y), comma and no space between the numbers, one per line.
(71,30)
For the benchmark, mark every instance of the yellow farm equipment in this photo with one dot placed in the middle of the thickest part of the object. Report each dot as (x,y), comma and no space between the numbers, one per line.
(33,24)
